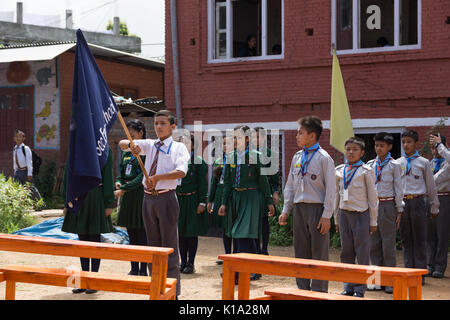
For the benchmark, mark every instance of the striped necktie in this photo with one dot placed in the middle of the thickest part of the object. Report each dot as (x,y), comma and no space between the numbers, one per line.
(155,159)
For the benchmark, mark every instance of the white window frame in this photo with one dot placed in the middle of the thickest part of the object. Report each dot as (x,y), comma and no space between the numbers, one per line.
(229,57)
(356,30)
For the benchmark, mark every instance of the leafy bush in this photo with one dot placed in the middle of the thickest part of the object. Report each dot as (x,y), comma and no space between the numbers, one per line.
(45,183)
(15,206)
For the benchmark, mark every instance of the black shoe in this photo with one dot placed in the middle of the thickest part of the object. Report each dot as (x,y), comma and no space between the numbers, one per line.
(133,273)
(438,274)
(430,272)
(389,290)
(143,273)
(182,267)
(219,262)
(255,276)
(89,291)
(78,290)
(358,294)
(347,293)
(189,269)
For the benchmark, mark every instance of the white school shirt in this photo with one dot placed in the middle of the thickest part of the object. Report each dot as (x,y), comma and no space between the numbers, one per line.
(24,161)
(173,156)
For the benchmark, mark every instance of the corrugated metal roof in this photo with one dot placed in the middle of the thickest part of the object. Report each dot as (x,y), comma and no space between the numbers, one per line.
(48,51)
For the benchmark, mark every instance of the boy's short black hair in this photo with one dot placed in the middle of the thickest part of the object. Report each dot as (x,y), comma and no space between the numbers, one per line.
(385,137)
(356,140)
(411,134)
(242,127)
(166,113)
(312,124)
(19,131)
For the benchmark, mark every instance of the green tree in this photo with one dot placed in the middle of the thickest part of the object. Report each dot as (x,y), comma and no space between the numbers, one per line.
(123,30)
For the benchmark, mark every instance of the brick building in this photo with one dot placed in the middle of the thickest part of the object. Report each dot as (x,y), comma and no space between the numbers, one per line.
(36,94)
(394,57)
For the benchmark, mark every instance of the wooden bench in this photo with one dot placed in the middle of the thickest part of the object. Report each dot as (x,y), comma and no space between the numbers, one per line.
(158,286)
(298,294)
(401,279)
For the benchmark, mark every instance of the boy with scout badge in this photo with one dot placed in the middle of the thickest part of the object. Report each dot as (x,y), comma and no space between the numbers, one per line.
(192,196)
(439,228)
(389,186)
(356,210)
(243,183)
(418,183)
(310,190)
(130,191)
(166,162)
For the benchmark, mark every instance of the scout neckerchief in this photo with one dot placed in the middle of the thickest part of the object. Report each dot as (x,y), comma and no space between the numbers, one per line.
(380,166)
(238,167)
(350,167)
(304,159)
(409,159)
(437,164)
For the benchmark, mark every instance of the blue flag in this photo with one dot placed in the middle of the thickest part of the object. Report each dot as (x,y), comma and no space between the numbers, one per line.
(93,114)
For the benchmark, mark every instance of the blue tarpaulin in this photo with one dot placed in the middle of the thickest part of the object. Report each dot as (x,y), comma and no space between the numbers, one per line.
(52,229)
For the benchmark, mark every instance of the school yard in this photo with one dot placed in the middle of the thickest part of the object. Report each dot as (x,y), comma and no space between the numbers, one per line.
(205,284)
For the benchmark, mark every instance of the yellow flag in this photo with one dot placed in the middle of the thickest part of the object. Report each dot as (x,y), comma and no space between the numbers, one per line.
(340,120)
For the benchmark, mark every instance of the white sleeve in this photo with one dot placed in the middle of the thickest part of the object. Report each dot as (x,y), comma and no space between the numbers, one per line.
(145,145)
(444,152)
(289,192)
(29,160)
(14,161)
(182,158)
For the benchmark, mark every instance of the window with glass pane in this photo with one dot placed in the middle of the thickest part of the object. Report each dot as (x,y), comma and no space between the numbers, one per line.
(221,29)
(5,102)
(23,101)
(408,22)
(377,23)
(274,27)
(344,25)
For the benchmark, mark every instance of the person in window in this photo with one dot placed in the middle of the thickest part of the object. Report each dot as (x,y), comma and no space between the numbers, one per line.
(276,49)
(250,49)
(383,42)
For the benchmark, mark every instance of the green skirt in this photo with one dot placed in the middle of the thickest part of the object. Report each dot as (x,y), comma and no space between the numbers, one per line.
(216,220)
(246,214)
(130,212)
(191,224)
(91,218)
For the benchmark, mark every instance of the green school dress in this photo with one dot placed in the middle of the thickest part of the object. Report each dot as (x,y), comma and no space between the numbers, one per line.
(245,205)
(130,177)
(190,193)
(272,179)
(215,195)
(91,218)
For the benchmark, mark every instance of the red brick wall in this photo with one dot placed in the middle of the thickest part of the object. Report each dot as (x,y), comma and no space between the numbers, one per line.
(397,84)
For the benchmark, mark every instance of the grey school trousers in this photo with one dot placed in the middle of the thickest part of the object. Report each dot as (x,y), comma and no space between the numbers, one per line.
(354,230)
(383,241)
(413,232)
(160,215)
(308,242)
(438,235)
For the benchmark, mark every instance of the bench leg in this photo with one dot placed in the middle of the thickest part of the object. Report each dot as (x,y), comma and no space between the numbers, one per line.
(227,282)
(415,293)
(244,286)
(10,293)
(400,288)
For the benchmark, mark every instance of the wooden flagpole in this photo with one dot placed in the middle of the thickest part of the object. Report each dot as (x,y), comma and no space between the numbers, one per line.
(131,142)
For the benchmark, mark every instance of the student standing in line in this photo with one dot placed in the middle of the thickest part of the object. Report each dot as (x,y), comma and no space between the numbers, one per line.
(242,184)
(356,210)
(259,141)
(310,191)
(130,190)
(418,183)
(166,162)
(389,185)
(215,198)
(94,216)
(192,196)
(439,228)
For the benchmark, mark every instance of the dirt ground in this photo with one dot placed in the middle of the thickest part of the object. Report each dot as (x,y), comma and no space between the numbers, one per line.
(205,284)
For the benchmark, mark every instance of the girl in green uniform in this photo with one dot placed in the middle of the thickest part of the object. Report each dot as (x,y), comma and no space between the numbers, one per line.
(243,184)
(215,198)
(192,196)
(94,216)
(131,191)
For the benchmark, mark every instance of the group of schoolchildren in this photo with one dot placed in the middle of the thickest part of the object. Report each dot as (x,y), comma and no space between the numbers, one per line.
(369,202)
